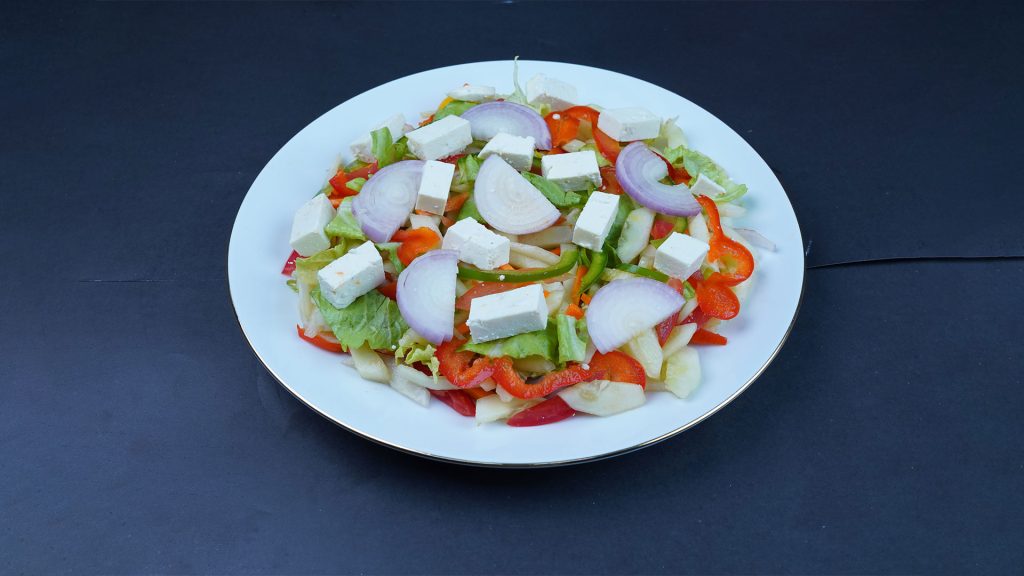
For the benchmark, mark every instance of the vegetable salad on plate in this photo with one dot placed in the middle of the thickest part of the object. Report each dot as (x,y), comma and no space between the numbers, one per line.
(523,257)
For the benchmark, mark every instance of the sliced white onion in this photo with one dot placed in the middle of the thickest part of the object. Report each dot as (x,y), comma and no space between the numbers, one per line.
(639,171)
(486,120)
(508,202)
(620,310)
(426,294)
(387,198)
(534,252)
(757,239)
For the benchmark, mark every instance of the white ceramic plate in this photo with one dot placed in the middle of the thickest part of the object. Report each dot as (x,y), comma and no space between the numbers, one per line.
(266,307)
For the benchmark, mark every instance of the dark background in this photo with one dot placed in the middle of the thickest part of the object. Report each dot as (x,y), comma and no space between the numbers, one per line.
(138,434)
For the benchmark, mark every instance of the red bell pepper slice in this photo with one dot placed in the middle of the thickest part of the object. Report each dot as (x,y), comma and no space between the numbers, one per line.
(453,159)
(415,243)
(551,410)
(716,299)
(340,189)
(665,327)
(609,181)
(702,336)
(289,264)
(617,367)
(506,377)
(563,128)
(459,401)
(319,341)
(459,367)
(363,172)
(737,262)
(606,145)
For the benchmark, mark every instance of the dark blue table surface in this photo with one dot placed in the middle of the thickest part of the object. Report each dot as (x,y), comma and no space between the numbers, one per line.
(138,434)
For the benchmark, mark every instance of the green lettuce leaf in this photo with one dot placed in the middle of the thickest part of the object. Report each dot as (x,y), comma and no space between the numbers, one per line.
(540,343)
(306,268)
(344,224)
(384,150)
(356,184)
(391,249)
(697,163)
(468,166)
(469,210)
(519,97)
(572,346)
(414,348)
(372,318)
(453,108)
(553,192)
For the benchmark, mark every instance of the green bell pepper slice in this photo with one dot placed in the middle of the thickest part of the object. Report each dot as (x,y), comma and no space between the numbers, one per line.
(564,264)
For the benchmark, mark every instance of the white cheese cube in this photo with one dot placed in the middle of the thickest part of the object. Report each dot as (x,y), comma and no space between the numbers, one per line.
(440,139)
(486,250)
(435,184)
(472,93)
(680,255)
(308,237)
(596,220)
(556,94)
(362,147)
(460,233)
(516,150)
(629,124)
(354,274)
(508,313)
(572,171)
(476,244)
(425,221)
(705,186)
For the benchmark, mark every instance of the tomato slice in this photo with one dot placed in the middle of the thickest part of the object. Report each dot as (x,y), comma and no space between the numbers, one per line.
(485,289)
(289,264)
(548,411)
(363,172)
(459,401)
(617,367)
(609,181)
(389,289)
(506,377)
(319,341)
(606,145)
(415,243)
(661,229)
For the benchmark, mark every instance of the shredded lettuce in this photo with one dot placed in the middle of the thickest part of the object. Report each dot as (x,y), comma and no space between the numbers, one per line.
(356,184)
(384,150)
(518,96)
(344,224)
(552,191)
(391,249)
(414,348)
(372,318)
(540,343)
(453,108)
(468,166)
(293,285)
(697,163)
(306,268)
(688,292)
(572,345)
(601,160)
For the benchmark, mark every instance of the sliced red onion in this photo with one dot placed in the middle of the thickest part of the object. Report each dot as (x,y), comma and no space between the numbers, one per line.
(639,170)
(622,309)
(426,294)
(508,202)
(387,198)
(486,120)
(756,238)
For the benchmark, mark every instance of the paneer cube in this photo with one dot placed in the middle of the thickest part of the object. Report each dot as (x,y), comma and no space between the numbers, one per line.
(705,186)
(435,184)
(425,221)
(680,255)
(362,147)
(472,93)
(556,94)
(573,171)
(516,150)
(595,221)
(629,124)
(354,274)
(476,244)
(439,139)
(308,237)
(508,313)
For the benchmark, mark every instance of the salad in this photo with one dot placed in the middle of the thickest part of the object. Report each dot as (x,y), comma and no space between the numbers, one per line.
(522,257)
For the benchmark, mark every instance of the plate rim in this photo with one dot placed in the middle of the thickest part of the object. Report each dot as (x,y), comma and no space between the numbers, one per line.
(520,465)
